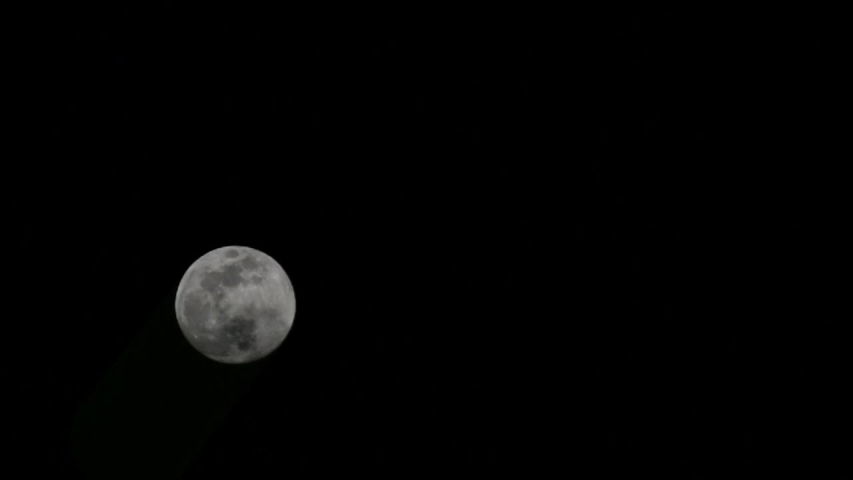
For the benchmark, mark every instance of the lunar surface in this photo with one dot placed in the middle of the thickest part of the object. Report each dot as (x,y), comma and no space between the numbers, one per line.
(235,304)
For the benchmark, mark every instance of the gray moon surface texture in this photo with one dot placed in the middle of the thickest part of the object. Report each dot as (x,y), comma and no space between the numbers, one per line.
(235,304)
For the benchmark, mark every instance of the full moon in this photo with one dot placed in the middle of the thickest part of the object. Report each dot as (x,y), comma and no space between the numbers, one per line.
(235,304)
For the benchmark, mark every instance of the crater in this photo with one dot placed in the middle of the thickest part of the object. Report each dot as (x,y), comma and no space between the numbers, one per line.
(228,277)
(241,331)
(251,263)
(231,276)
(211,280)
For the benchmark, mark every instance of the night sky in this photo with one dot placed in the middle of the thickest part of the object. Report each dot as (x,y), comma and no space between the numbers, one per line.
(515,250)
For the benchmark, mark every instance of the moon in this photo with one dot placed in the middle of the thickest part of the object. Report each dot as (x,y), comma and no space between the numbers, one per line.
(235,304)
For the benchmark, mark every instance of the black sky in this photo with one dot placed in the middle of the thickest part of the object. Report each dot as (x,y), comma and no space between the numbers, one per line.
(514,249)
